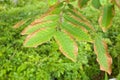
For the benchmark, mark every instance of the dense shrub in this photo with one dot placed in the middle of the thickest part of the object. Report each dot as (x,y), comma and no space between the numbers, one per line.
(46,62)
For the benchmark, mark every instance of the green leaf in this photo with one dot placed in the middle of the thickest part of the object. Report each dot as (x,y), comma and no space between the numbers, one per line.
(106,19)
(103,57)
(82,3)
(96,4)
(76,32)
(66,45)
(38,37)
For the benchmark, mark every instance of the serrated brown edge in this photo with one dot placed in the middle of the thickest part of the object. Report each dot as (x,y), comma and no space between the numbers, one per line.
(104,28)
(109,59)
(31,35)
(31,26)
(40,20)
(20,23)
(63,52)
(74,25)
(85,22)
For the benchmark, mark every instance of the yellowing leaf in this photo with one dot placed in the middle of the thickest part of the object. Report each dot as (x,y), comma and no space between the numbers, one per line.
(66,45)
(103,57)
(38,37)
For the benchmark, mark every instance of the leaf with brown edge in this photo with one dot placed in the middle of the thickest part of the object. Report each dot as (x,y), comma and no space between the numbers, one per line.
(67,45)
(45,18)
(76,22)
(40,36)
(103,57)
(31,29)
(105,20)
(20,23)
(76,32)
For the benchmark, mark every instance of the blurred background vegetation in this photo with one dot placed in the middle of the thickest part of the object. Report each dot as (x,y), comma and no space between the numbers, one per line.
(46,62)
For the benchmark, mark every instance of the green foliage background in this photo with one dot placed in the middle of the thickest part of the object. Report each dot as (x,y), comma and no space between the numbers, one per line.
(46,62)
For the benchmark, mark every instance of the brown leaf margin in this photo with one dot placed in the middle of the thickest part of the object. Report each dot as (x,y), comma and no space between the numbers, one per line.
(20,23)
(75,48)
(109,59)
(104,29)
(31,35)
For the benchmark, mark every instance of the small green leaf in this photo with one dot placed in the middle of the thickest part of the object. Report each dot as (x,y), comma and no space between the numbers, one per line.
(103,57)
(76,32)
(38,37)
(106,19)
(96,4)
(66,45)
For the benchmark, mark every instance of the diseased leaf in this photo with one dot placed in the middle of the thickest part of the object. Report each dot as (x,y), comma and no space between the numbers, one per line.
(45,18)
(96,4)
(66,45)
(38,37)
(79,17)
(103,57)
(76,32)
(82,3)
(107,16)
(20,23)
(33,28)
(76,13)
(76,22)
